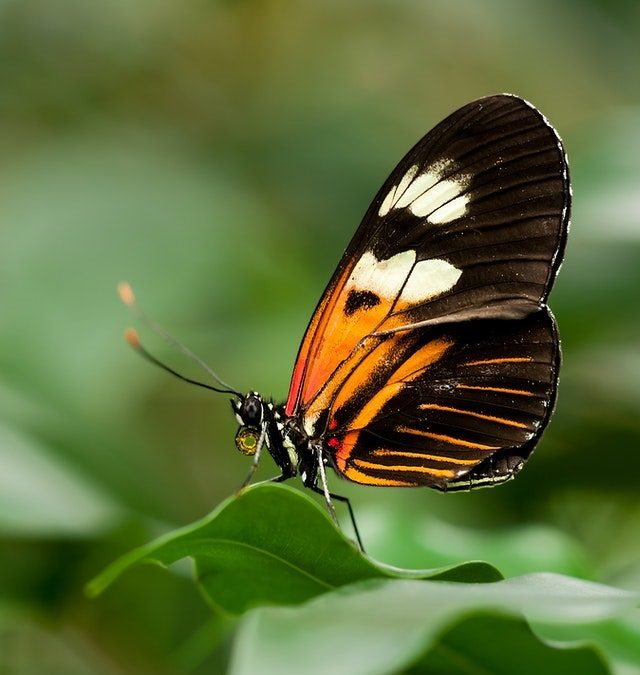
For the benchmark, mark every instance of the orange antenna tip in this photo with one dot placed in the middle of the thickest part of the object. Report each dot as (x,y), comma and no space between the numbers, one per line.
(126,294)
(131,336)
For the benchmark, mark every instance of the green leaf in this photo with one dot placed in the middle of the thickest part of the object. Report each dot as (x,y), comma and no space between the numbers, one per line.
(385,625)
(272,545)
(470,647)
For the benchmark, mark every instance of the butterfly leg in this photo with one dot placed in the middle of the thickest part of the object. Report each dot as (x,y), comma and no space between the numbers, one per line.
(346,501)
(325,487)
(329,496)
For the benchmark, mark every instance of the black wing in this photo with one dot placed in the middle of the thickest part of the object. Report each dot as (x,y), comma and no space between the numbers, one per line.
(502,221)
(471,224)
(451,407)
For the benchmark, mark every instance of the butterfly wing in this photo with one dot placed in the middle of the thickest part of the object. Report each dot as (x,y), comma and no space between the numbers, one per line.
(471,224)
(453,406)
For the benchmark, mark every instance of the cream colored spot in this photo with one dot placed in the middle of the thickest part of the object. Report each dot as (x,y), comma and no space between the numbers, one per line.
(386,204)
(438,196)
(382,277)
(428,279)
(456,208)
(396,191)
(416,282)
(421,184)
(429,194)
(406,180)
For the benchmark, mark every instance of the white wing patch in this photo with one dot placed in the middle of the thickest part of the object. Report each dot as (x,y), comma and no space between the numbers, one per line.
(423,183)
(400,274)
(382,277)
(456,208)
(429,279)
(429,195)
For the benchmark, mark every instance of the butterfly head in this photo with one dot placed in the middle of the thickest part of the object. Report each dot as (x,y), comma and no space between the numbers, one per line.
(249,411)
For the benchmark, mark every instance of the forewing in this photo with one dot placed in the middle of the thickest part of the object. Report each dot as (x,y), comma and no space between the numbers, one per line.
(470,224)
(452,407)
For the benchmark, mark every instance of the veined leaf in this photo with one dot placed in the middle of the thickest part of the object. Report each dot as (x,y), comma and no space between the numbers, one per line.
(272,545)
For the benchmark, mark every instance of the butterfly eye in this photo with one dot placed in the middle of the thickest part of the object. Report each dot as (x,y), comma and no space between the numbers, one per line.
(251,410)
(247,440)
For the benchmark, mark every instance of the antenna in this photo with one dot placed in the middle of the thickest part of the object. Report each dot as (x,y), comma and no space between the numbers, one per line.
(131,336)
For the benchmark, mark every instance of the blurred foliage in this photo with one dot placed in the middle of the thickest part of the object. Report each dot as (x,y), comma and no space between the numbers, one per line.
(219,155)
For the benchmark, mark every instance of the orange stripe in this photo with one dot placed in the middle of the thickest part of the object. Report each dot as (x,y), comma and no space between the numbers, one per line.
(425,356)
(365,479)
(499,390)
(374,405)
(381,452)
(491,418)
(359,375)
(445,473)
(417,362)
(511,359)
(344,373)
(447,439)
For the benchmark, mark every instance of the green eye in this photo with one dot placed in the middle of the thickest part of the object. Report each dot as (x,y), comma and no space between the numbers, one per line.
(247,440)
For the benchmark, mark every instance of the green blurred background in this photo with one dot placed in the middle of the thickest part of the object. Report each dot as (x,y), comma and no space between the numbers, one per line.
(219,156)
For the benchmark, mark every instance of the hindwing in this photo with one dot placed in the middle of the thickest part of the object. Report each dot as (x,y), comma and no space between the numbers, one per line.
(452,406)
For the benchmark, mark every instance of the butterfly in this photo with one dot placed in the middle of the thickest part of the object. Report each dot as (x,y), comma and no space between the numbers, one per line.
(432,358)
